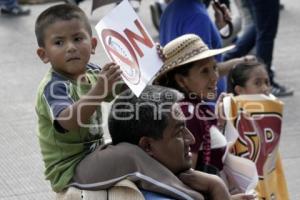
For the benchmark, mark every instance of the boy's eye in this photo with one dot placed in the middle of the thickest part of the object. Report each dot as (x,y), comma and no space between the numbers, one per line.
(78,39)
(58,42)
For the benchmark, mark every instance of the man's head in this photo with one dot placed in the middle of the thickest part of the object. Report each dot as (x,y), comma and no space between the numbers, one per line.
(155,122)
(64,36)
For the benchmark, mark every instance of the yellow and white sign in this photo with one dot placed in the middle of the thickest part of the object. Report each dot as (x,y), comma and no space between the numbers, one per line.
(258,120)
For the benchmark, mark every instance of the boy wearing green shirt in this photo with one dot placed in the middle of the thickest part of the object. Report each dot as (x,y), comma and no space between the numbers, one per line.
(69,96)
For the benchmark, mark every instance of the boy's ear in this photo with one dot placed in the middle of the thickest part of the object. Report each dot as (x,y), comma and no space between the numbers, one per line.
(42,54)
(238,90)
(146,144)
(94,44)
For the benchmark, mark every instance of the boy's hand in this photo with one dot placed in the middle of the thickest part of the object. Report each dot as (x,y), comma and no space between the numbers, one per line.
(110,74)
(79,113)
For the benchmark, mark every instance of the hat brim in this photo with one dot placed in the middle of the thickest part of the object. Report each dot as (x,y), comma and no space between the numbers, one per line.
(207,54)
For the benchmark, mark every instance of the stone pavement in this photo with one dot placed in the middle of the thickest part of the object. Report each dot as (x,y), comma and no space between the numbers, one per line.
(21,167)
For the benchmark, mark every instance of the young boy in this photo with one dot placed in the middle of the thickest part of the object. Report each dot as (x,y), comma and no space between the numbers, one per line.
(69,96)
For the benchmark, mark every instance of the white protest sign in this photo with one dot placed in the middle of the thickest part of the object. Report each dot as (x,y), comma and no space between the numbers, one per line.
(126,42)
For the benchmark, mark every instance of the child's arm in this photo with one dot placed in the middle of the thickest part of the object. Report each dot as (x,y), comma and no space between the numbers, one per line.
(80,112)
(225,67)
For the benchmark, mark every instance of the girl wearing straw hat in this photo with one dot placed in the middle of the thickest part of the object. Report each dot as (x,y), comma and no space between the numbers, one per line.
(190,67)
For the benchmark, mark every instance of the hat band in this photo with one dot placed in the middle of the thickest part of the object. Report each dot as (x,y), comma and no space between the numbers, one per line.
(187,56)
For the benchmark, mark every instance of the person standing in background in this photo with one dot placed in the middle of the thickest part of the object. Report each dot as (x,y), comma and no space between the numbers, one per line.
(266,20)
(12,8)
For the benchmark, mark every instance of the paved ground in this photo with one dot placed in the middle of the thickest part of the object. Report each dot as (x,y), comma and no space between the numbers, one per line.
(21,168)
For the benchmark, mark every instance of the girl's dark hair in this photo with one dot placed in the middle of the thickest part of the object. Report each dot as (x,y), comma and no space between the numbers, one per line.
(168,80)
(239,74)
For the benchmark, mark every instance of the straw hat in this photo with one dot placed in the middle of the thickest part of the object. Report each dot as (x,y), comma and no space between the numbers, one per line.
(185,49)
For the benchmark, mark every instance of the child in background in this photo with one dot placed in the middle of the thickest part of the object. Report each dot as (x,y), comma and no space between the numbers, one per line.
(250,78)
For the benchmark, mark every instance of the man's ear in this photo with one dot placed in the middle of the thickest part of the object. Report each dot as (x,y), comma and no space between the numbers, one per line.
(42,54)
(94,44)
(238,90)
(146,144)
(180,81)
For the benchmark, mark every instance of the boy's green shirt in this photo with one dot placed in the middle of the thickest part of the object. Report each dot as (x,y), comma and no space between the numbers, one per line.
(62,151)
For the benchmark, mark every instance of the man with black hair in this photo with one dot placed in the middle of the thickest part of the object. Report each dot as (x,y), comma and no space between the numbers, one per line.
(151,148)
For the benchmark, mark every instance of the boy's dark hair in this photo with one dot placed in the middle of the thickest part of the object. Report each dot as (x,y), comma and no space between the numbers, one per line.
(239,74)
(132,118)
(55,13)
